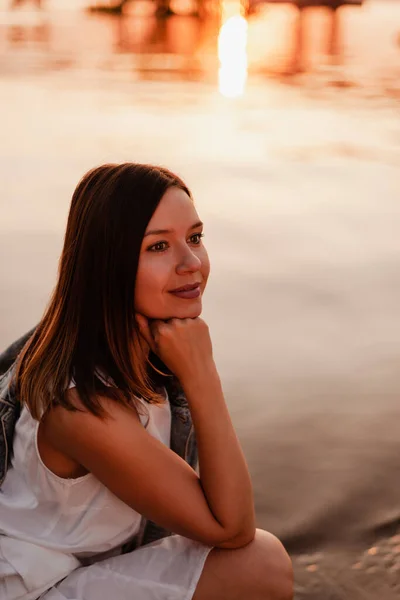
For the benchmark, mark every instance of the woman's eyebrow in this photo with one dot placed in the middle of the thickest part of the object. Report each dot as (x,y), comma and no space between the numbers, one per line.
(163,231)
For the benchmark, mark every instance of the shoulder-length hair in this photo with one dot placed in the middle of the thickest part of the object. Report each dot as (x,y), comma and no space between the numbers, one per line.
(89,326)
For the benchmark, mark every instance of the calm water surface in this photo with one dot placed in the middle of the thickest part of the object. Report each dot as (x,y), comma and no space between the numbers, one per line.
(298,182)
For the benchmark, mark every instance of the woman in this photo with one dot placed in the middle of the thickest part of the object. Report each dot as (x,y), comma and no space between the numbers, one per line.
(93,463)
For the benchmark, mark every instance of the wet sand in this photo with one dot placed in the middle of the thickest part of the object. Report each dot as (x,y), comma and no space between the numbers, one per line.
(298,183)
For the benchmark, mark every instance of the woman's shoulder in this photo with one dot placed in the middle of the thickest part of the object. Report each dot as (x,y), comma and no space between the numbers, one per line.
(62,428)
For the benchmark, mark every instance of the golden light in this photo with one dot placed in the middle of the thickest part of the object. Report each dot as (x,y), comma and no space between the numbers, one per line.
(232,53)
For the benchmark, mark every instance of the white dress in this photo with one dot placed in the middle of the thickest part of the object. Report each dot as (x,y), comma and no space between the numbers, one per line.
(50,526)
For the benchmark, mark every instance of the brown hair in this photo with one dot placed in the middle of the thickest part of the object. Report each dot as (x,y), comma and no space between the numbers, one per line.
(89,324)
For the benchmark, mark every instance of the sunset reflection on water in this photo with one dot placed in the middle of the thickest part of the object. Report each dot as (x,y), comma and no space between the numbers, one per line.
(221,48)
(232,51)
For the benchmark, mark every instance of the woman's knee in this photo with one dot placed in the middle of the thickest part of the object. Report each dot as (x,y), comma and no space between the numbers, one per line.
(271,565)
(261,570)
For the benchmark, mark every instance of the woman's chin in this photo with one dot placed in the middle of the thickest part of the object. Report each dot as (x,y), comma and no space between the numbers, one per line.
(188,312)
(191,310)
(193,314)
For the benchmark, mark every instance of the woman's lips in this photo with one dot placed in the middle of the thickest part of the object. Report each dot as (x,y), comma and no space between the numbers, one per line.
(187,292)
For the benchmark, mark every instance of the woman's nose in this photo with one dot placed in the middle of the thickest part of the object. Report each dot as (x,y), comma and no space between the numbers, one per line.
(188,262)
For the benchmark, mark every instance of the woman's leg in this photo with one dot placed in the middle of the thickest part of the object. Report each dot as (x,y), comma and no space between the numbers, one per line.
(262,570)
(170,568)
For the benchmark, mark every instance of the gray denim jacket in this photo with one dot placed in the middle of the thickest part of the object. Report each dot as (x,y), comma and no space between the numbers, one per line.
(183,439)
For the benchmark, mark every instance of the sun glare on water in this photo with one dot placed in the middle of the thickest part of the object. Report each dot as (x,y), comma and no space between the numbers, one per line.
(232,54)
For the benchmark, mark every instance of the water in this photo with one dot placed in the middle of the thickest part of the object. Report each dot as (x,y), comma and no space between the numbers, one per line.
(298,182)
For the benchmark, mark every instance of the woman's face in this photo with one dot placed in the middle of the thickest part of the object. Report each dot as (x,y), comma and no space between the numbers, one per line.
(173,264)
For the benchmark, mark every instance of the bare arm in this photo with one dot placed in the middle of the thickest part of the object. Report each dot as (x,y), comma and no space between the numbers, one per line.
(224,475)
(215,508)
(139,469)
(185,346)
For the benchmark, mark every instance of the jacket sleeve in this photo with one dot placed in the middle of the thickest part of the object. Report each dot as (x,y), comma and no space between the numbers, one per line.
(10,354)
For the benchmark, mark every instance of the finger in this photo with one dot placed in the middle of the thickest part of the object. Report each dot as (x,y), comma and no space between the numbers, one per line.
(145,331)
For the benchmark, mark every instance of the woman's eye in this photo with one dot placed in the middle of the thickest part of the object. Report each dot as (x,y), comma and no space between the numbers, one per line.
(159,247)
(196,238)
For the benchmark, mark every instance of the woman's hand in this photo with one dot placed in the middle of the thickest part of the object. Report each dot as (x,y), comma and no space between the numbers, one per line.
(184,345)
